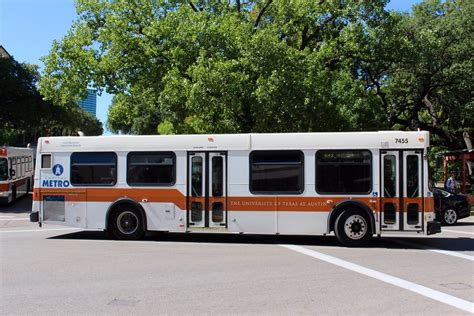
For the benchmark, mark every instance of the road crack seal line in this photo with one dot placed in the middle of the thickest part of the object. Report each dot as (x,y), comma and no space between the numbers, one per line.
(456,302)
(121,302)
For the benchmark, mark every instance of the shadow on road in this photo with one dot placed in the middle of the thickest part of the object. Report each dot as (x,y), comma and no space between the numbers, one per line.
(460,224)
(452,244)
(22,205)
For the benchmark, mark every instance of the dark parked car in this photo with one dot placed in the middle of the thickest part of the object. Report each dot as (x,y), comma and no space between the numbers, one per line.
(450,207)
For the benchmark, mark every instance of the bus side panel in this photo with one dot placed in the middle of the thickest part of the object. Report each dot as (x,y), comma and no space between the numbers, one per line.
(5,193)
(245,218)
(96,214)
(169,214)
(310,223)
(164,217)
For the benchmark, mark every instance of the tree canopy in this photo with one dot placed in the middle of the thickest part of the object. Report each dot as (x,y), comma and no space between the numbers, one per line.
(24,114)
(270,66)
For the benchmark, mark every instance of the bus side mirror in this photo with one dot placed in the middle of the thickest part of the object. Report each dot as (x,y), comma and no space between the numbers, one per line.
(12,173)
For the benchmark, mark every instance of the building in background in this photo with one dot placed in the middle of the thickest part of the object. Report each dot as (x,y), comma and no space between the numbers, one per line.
(89,103)
(4,53)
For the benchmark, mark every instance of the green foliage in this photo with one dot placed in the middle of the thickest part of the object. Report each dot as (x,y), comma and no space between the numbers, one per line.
(427,82)
(213,66)
(269,66)
(25,115)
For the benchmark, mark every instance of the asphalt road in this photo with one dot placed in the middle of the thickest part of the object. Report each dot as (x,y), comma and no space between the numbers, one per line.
(57,270)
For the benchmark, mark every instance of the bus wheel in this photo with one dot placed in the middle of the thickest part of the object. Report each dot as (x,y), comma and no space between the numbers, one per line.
(352,228)
(13,194)
(126,223)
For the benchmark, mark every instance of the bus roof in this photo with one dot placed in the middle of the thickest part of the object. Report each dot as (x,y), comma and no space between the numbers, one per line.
(15,151)
(346,140)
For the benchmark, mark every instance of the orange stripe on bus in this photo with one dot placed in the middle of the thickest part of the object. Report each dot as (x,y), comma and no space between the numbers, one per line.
(111,195)
(234,203)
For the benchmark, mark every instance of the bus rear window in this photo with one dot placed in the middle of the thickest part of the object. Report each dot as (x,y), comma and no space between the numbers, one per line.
(94,169)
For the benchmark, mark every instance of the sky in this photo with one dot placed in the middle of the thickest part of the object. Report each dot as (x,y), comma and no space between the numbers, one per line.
(28,28)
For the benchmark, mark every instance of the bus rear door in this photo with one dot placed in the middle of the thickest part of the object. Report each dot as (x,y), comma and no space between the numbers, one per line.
(401,193)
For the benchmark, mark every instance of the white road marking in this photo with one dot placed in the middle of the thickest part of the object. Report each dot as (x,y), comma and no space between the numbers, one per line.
(457,231)
(15,219)
(36,230)
(444,252)
(407,285)
(3,216)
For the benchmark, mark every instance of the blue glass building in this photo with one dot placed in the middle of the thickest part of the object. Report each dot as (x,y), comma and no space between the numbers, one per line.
(90,102)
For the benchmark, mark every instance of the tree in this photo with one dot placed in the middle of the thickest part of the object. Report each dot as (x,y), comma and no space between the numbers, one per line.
(427,82)
(216,66)
(24,114)
(270,66)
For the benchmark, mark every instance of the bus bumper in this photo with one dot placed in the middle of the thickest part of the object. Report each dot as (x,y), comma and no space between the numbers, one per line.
(34,218)
(433,228)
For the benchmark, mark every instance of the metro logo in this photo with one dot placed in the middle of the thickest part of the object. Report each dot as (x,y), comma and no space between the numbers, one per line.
(55,184)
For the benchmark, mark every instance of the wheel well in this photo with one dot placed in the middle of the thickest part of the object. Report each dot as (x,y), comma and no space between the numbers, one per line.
(123,202)
(341,207)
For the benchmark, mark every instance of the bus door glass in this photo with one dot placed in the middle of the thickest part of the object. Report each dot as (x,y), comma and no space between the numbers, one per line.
(197,192)
(412,188)
(401,197)
(390,190)
(217,190)
(207,190)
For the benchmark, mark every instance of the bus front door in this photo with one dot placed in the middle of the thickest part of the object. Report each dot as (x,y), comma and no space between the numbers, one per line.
(401,193)
(207,190)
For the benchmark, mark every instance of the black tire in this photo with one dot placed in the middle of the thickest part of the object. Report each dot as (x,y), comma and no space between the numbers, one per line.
(13,195)
(126,223)
(449,216)
(353,228)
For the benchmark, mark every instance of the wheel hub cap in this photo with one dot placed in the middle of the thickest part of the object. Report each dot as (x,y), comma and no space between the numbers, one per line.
(127,223)
(450,216)
(355,227)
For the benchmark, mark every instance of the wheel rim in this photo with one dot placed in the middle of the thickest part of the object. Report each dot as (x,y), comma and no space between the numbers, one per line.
(355,227)
(450,216)
(127,222)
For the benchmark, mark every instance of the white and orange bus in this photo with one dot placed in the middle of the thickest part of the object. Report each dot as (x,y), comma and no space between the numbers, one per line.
(16,173)
(356,184)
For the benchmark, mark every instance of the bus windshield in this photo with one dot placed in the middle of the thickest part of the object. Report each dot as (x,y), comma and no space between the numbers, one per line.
(3,169)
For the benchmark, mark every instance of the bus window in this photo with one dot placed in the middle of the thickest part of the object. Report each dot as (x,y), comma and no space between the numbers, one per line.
(3,169)
(196,176)
(23,167)
(93,168)
(217,175)
(389,184)
(412,176)
(151,168)
(343,171)
(277,172)
(46,161)
(15,168)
